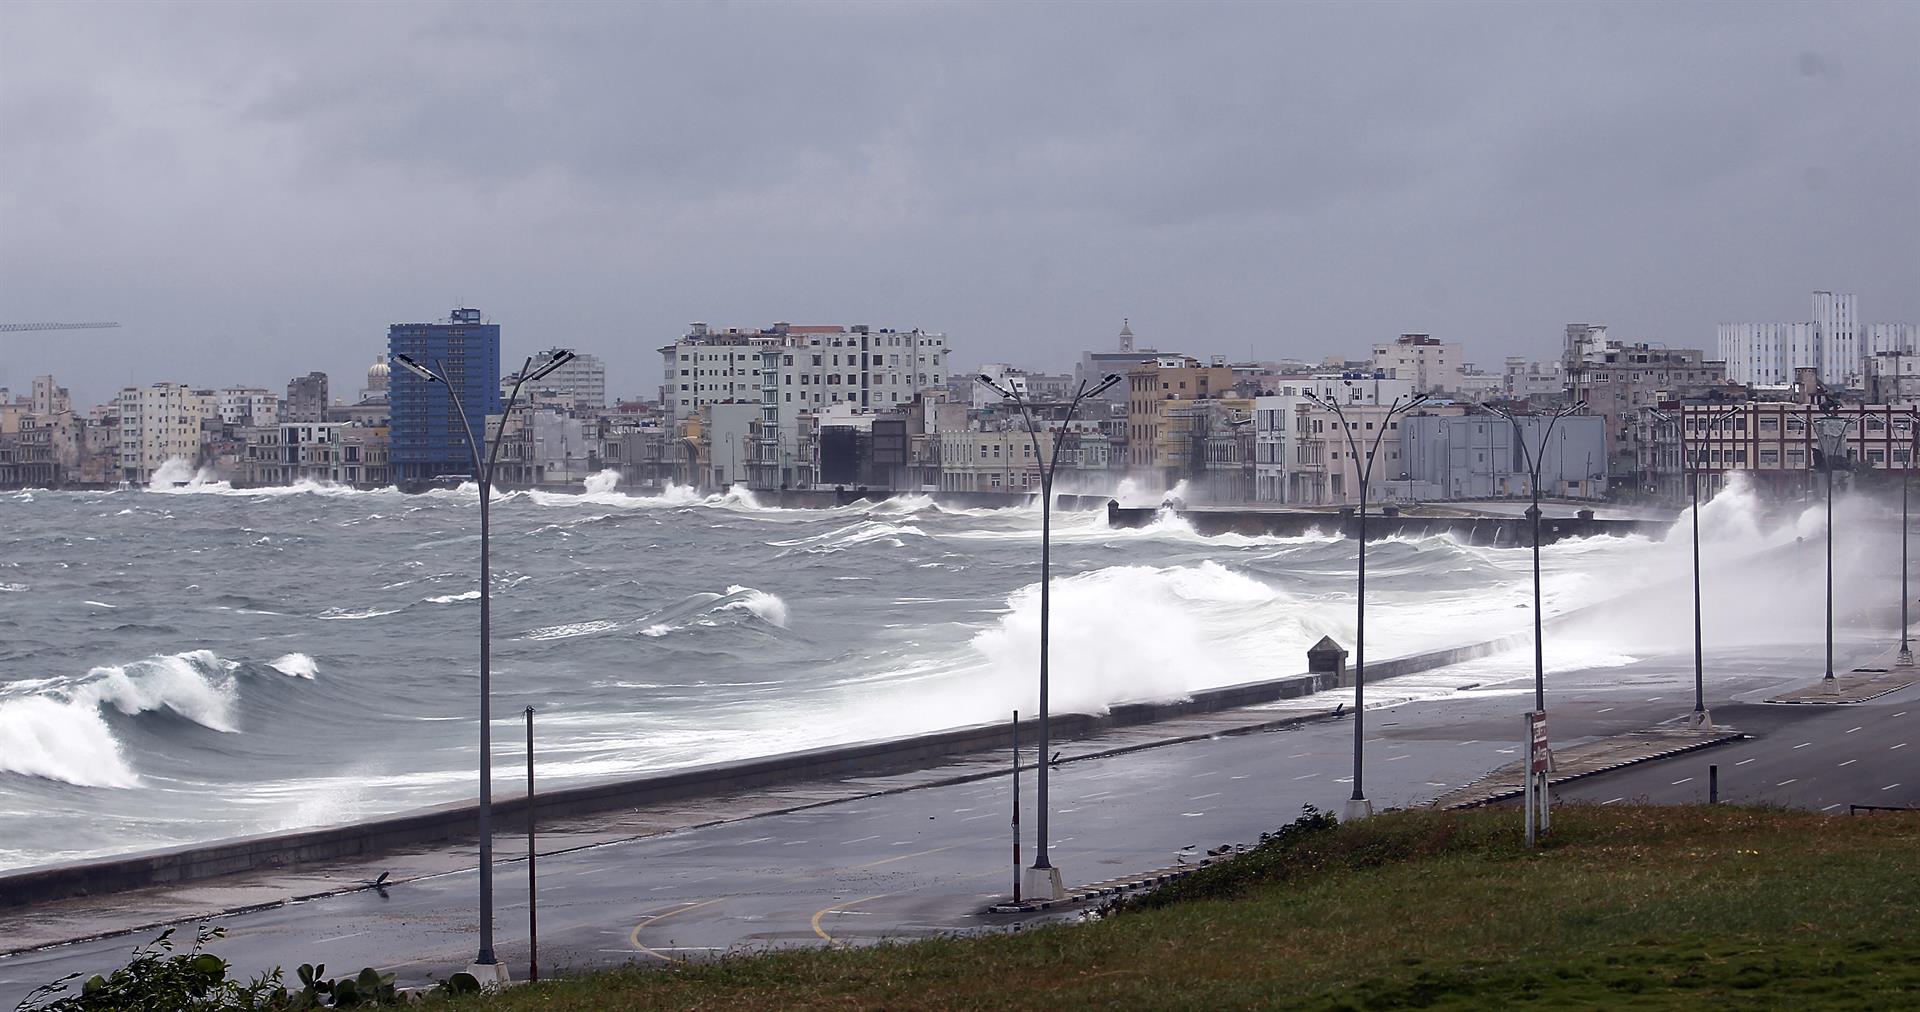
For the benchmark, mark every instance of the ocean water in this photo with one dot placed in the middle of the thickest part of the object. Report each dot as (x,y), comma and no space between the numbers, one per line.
(198,662)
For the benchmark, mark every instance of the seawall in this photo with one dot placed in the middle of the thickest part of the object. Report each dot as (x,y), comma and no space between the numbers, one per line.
(1481,530)
(452,822)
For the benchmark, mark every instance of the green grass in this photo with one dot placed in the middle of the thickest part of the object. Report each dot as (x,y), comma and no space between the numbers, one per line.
(1626,907)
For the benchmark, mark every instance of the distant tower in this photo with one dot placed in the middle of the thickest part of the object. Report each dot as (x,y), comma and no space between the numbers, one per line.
(1126,336)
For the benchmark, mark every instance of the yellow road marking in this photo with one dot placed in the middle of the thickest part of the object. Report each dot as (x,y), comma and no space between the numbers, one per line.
(903,857)
(634,937)
(839,908)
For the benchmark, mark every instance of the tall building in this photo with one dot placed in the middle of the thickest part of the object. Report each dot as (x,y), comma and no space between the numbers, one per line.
(1433,365)
(1832,341)
(159,423)
(306,398)
(248,406)
(579,385)
(819,366)
(427,441)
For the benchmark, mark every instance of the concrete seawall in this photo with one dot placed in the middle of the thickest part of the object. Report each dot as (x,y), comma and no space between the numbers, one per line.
(445,823)
(1483,530)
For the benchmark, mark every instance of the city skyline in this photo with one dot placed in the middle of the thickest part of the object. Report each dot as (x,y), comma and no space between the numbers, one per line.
(251,196)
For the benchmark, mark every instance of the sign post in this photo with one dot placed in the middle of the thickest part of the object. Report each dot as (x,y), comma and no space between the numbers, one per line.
(1539,761)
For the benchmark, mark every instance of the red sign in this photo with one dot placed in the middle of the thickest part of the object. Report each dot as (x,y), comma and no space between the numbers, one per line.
(1537,754)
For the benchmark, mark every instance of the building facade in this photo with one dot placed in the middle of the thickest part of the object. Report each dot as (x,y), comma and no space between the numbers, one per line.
(306,398)
(427,438)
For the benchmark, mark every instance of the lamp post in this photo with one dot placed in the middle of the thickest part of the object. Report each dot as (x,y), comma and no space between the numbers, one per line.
(1701,718)
(1358,807)
(1831,431)
(1043,879)
(1905,659)
(488,969)
(1533,462)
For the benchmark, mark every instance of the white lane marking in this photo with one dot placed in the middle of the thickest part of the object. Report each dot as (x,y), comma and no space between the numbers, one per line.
(1343,780)
(1680,781)
(1306,776)
(590,871)
(1611,802)
(1605,709)
(1850,762)
(1391,758)
(976,818)
(1889,787)
(1901,745)
(1192,815)
(793,843)
(1803,744)
(1506,751)
(1902,713)
(1853,729)
(962,811)
(1831,807)
(1743,762)
(1209,773)
(848,843)
(1203,797)
(1238,776)
(354,934)
(1785,782)
(1298,755)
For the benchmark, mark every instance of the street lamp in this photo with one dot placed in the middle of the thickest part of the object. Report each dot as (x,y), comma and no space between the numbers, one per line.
(1700,717)
(1358,807)
(485,962)
(1533,462)
(1913,427)
(1831,431)
(1043,879)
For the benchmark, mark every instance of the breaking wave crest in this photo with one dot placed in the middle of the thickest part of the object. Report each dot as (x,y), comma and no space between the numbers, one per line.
(57,730)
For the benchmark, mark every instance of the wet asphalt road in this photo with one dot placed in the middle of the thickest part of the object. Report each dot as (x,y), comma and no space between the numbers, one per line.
(931,860)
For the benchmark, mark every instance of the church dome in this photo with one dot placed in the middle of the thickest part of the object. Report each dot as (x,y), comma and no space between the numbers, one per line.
(377,374)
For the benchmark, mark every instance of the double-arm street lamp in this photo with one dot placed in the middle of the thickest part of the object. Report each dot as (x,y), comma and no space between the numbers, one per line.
(1700,718)
(490,968)
(1533,461)
(1043,879)
(1358,807)
(1831,432)
(1905,659)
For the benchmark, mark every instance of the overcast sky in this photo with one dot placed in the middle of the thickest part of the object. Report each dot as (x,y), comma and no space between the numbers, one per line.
(257,190)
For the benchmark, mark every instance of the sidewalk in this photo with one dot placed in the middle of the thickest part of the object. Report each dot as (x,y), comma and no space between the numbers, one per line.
(1600,755)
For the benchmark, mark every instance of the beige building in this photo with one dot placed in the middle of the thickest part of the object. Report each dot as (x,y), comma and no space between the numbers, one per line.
(159,423)
(1155,387)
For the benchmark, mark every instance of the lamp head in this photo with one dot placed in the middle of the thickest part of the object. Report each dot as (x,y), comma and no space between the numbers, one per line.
(1831,431)
(560,358)
(416,368)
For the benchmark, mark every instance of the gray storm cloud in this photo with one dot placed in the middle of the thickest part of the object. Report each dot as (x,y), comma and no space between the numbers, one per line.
(257,191)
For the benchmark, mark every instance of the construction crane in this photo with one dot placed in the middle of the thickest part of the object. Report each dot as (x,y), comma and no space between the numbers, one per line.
(12,328)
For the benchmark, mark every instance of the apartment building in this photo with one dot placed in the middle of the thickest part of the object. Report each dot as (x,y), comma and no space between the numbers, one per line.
(1154,387)
(159,423)
(817,366)
(1432,365)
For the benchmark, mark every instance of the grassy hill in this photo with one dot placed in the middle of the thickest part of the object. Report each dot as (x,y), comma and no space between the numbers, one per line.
(1625,907)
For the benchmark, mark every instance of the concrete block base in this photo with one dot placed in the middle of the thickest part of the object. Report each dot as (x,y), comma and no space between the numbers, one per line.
(1701,720)
(1357,808)
(1905,660)
(492,976)
(1041,885)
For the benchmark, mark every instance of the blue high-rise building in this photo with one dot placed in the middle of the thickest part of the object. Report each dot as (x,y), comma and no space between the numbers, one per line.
(427,441)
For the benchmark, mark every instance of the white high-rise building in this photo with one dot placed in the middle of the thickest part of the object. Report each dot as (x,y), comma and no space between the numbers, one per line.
(579,385)
(248,406)
(1889,339)
(816,367)
(1832,341)
(1432,365)
(1836,321)
(1766,354)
